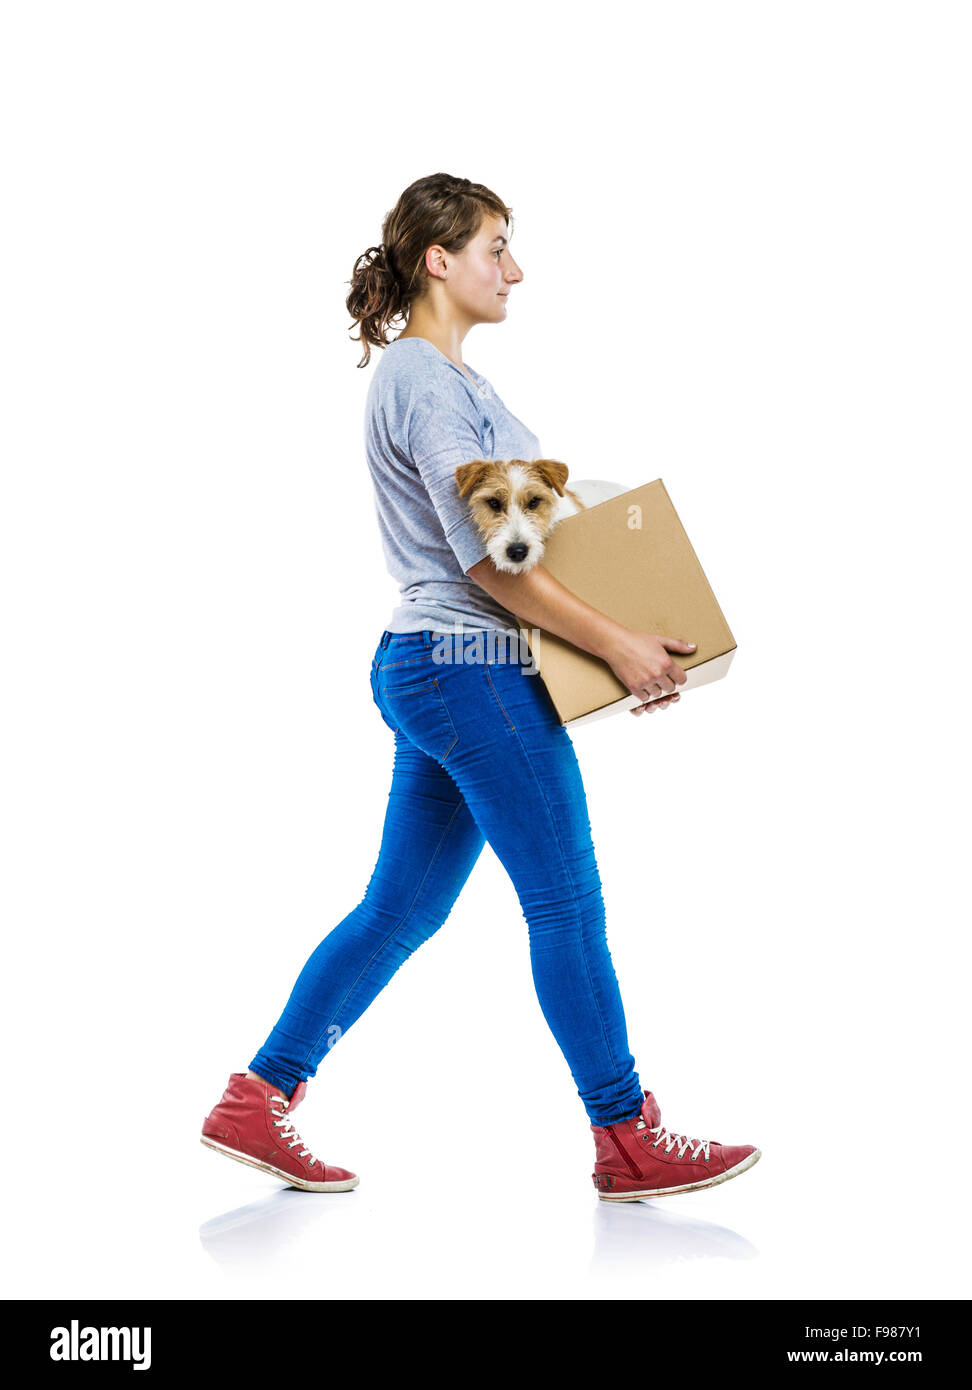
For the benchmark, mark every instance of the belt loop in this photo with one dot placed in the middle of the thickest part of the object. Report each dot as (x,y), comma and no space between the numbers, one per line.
(385,638)
(427,634)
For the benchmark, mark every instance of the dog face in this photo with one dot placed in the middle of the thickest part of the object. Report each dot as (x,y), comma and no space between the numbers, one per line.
(516,505)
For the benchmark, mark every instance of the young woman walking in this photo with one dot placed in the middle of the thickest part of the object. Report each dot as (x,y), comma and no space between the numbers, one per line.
(480,754)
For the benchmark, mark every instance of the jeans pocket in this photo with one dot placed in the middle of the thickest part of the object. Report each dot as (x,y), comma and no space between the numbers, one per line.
(376,698)
(420,712)
(404,676)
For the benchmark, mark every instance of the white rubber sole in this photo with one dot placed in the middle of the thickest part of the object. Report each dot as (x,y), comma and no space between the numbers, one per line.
(345,1184)
(754,1157)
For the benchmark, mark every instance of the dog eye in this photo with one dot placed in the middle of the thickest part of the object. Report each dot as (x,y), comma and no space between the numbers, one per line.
(533,502)
(495,503)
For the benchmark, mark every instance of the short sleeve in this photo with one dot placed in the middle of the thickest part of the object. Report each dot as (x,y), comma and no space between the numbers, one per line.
(444,431)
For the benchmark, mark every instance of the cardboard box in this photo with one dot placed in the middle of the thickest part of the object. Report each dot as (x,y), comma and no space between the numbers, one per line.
(629,556)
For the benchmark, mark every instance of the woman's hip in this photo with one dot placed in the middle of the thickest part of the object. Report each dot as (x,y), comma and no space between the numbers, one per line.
(477,706)
(486,683)
(491,725)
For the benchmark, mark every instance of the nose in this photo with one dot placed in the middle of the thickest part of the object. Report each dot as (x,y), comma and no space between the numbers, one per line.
(517,551)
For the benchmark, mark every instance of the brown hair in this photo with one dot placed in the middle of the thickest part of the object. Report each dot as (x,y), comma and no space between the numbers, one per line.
(437,210)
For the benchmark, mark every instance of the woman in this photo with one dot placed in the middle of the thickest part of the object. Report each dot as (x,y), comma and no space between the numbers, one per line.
(480,754)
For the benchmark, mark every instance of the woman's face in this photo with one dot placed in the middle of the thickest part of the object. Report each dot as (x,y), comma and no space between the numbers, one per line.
(480,277)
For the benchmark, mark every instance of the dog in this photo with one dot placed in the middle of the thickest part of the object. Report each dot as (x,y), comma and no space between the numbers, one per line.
(518,504)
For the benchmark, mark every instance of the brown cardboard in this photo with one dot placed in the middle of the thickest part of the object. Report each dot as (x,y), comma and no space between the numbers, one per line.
(630,557)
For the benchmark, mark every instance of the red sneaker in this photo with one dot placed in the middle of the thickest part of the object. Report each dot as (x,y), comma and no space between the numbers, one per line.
(251,1124)
(639,1158)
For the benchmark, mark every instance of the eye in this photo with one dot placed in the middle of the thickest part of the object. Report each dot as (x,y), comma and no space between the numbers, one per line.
(495,503)
(498,251)
(533,503)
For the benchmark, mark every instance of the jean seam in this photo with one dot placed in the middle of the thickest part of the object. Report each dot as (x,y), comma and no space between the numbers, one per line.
(406,661)
(492,687)
(391,935)
(400,694)
(570,879)
(455,732)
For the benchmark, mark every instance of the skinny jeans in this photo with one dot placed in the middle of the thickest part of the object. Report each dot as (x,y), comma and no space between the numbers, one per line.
(479,755)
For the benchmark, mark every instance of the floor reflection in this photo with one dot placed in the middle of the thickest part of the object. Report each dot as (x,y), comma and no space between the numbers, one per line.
(245,1238)
(628,1236)
(631,1235)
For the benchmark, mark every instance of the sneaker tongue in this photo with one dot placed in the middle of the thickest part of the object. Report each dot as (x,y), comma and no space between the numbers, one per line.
(297,1097)
(651,1111)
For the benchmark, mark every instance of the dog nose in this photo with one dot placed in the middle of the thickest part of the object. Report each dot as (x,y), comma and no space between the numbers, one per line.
(517,551)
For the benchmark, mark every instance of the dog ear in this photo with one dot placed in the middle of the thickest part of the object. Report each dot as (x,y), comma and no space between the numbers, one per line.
(553,473)
(468,475)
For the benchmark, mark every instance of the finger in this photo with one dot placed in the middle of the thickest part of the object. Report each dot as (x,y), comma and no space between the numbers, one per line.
(676,677)
(669,684)
(664,685)
(663,704)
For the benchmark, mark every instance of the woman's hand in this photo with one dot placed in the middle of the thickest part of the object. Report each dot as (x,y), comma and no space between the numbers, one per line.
(655,704)
(638,659)
(641,661)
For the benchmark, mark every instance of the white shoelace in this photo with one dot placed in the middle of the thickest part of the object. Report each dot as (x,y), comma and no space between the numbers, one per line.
(670,1139)
(288,1132)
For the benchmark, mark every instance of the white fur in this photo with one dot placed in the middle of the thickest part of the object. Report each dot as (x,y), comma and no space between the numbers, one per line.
(594,490)
(590,493)
(519,527)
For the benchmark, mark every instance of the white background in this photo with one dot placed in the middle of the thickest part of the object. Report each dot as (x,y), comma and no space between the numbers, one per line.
(744,230)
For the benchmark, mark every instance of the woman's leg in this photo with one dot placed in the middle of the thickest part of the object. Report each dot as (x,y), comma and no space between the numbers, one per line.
(429,845)
(515,766)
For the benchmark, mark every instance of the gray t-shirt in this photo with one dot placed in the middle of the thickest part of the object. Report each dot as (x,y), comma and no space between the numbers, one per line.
(423,418)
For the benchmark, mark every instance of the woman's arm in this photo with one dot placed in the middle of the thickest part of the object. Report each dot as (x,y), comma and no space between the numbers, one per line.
(640,660)
(540,600)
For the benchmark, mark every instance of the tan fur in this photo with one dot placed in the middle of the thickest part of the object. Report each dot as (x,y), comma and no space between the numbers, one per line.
(516,505)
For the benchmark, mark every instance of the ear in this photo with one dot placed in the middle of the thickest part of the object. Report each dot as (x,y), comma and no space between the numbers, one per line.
(469,475)
(553,473)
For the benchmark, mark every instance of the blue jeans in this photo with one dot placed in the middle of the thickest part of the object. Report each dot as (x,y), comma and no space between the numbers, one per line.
(479,755)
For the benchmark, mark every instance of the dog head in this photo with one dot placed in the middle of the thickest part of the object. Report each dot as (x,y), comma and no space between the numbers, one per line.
(516,505)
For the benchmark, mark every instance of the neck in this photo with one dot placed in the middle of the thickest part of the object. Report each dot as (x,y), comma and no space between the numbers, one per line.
(444,333)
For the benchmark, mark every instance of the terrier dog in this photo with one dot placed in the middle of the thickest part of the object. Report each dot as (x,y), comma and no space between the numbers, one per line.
(517,505)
